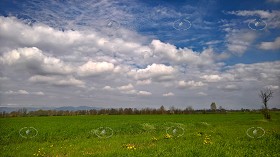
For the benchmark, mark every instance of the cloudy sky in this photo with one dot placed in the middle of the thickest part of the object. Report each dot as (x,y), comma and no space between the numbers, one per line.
(139,53)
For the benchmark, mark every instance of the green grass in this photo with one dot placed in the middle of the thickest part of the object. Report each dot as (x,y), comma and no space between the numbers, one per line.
(72,136)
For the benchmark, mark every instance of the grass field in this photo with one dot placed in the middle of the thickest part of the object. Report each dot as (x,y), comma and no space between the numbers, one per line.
(142,135)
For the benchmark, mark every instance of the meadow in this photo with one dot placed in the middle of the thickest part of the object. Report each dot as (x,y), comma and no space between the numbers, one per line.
(221,135)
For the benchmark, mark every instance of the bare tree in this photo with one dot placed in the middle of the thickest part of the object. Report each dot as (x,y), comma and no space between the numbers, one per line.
(162,109)
(189,109)
(213,106)
(265,95)
(172,110)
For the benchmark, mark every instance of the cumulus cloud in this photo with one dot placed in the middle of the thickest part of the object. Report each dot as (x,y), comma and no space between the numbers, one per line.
(202,93)
(238,41)
(33,60)
(19,92)
(79,43)
(272,87)
(274,45)
(213,42)
(129,89)
(57,80)
(229,87)
(3,78)
(126,87)
(168,94)
(266,71)
(108,88)
(272,17)
(74,58)
(155,72)
(211,78)
(144,82)
(39,93)
(144,93)
(261,13)
(38,34)
(185,55)
(23,92)
(191,84)
(94,68)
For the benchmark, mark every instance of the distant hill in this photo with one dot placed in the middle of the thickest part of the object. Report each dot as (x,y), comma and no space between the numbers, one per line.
(63,108)
(73,108)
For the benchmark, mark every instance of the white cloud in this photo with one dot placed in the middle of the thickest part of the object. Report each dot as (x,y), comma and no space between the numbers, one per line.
(23,92)
(211,78)
(57,80)
(182,55)
(156,72)
(3,78)
(132,92)
(62,58)
(213,42)
(94,68)
(144,93)
(271,17)
(129,89)
(126,87)
(168,94)
(265,72)
(274,45)
(19,92)
(81,44)
(35,61)
(238,41)
(202,93)
(108,88)
(144,82)
(229,87)
(191,84)
(38,34)
(39,93)
(272,87)
(261,13)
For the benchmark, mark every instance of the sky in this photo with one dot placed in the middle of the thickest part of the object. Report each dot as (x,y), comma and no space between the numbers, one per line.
(139,53)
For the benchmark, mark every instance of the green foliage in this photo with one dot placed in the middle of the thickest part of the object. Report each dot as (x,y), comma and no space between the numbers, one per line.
(213,106)
(141,135)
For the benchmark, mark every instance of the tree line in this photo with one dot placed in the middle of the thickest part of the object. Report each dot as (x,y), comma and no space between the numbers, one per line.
(23,112)
(111,111)
(265,96)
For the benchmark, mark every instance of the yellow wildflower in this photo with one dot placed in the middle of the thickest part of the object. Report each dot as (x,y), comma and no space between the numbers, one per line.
(130,146)
(154,139)
(167,136)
